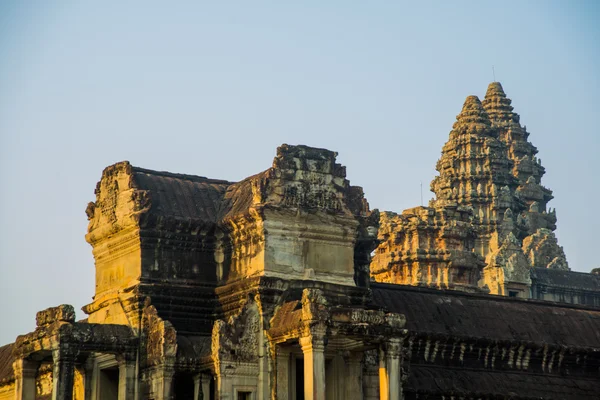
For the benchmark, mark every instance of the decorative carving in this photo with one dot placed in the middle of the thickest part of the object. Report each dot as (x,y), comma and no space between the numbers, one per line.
(543,251)
(237,339)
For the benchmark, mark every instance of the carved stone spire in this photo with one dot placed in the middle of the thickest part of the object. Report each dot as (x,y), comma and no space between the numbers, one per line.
(472,118)
(510,132)
(475,172)
(498,105)
(533,219)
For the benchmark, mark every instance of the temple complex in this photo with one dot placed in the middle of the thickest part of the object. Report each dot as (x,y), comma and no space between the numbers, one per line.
(287,285)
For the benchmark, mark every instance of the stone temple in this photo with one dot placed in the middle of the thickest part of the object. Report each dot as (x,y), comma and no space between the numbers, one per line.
(286,285)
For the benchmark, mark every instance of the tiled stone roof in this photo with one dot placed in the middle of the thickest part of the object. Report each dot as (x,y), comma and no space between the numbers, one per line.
(182,196)
(565,279)
(494,318)
(432,380)
(6,362)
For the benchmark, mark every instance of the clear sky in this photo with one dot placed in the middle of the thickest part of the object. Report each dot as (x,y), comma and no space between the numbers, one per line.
(212,88)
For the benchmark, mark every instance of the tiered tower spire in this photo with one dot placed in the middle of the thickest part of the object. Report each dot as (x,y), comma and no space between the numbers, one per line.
(489,188)
(474,172)
(527,168)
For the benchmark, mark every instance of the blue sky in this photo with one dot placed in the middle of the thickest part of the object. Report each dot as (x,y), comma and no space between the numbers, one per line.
(212,88)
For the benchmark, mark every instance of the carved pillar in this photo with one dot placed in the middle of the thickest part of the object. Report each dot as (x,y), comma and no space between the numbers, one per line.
(392,353)
(202,387)
(354,379)
(127,378)
(63,374)
(313,347)
(25,371)
(283,373)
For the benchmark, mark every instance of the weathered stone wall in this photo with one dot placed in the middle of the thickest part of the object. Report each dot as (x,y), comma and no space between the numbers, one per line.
(428,247)
(299,219)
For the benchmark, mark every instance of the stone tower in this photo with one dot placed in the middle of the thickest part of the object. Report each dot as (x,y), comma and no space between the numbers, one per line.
(531,224)
(474,172)
(526,167)
(488,170)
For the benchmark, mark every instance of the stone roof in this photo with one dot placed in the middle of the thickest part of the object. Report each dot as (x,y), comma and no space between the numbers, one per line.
(450,313)
(238,198)
(433,380)
(6,362)
(565,279)
(182,196)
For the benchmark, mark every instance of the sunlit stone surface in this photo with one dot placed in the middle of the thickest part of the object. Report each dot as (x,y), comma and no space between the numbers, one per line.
(286,285)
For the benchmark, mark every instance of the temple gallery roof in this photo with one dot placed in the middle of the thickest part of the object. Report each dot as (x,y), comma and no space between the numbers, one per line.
(566,279)
(432,380)
(6,362)
(451,313)
(182,196)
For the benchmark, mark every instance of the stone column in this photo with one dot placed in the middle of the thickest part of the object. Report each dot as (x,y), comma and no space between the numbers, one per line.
(384,390)
(63,374)
(160,380)
(393,348)
(313,347)
(127,377)
(198,394)
(88,379)
(283,373)
(164,385)
(224,386)
(25,371)
(202,387)
(354,379)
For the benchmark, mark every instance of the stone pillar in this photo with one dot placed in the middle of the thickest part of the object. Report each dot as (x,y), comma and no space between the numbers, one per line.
(392,355)
(384,390)
(313,347)
(160,382)
(88,379)
(354,379)
(25,371)
(198,394)
(63,374)
(224,384)
(202,387)
(283,373)
(127,378)
(164,385)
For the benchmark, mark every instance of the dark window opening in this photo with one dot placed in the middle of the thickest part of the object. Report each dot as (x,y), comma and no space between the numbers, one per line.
(184,386)
(244,396)
(512,293)
(299,379)
(109,384)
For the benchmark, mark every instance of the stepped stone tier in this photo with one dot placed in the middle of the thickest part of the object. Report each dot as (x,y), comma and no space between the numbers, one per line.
(489,171)
(267,288)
